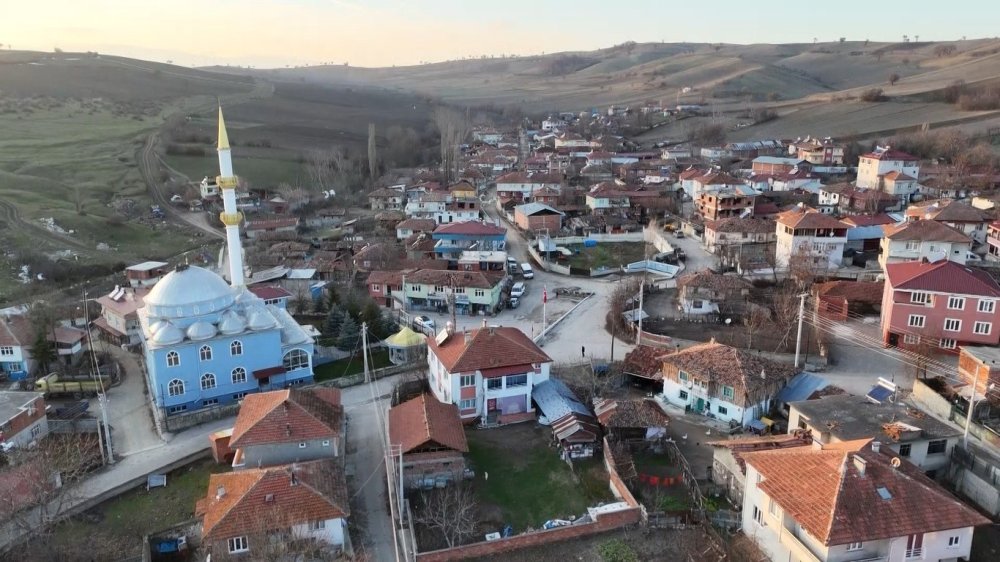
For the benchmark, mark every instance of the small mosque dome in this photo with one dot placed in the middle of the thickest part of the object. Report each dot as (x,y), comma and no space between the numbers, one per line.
(168,334)
(259,319)
(201,330)
(156,326)
(188,291)
(231,323)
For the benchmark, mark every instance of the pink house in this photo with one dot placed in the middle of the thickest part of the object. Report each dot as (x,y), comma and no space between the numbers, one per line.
(942,303)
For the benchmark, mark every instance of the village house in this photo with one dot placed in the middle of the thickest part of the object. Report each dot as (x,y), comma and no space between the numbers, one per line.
(865,232)
(725,203)
(386,288)
(738,232)
(943,303)
(607,197)
(875,166)
(913,435)
(900,186)
(431,438)
(452,239)
(272,295)
(818,152)
(714,180)
(956,214)
(16,339)
(729,469)
(707,292)
(631,420)
(813,239)
(256,227)
(470,292)
(924,240)
(250,512)
(574,429)
(287,426)
(771,165)
(686,179)
(488,372)
(979,368)
(993,241)
(145,274)
(840,300)
(547,196)
(23,419)
(850,501)
(730,384)
(535,217)
(119,322)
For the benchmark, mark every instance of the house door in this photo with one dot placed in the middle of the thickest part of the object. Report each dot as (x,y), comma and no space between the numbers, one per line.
(491,405)
(700,405)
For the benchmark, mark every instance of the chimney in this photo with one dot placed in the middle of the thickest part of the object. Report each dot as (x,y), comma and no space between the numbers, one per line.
(220,492)
(860,464)
(468,337)
(876,445)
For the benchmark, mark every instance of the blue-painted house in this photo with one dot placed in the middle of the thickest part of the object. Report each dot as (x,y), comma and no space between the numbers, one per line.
(450,240)
(206,343)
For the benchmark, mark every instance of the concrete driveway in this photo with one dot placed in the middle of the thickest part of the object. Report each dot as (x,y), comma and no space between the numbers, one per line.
(132,429)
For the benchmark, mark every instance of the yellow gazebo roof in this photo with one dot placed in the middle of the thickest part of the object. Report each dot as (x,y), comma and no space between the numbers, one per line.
(406,338)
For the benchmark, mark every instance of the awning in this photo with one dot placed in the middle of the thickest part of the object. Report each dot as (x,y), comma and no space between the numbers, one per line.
(756,424)
(103,325)
(268,372)
(766,421)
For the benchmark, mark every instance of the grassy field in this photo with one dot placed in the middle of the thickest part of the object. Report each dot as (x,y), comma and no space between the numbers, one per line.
(260,172)
(528,483)
(113,530)
(351,366)
(606,254)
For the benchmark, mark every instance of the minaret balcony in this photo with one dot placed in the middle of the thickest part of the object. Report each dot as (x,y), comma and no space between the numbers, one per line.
(231,219)
(226,183)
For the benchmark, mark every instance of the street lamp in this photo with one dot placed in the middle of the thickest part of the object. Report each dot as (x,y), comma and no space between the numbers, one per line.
(972,406)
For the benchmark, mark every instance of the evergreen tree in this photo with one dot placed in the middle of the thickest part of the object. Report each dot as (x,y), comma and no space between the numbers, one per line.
(350,335)
(319,304)
(371,315)
(334,320)
(332,297)
(43,351)
(352,305)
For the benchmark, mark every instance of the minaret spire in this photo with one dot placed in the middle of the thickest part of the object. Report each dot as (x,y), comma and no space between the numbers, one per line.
(231,217)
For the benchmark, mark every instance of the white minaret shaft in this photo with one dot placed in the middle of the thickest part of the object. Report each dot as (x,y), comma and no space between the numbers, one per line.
(230,216)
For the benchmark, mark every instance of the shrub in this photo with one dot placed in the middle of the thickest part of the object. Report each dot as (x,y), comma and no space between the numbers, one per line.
(873,94)
(617,550)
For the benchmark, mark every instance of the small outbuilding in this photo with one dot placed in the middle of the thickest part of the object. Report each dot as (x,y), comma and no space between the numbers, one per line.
(406,346)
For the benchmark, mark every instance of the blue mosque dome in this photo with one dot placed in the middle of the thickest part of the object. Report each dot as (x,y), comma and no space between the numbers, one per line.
(168,334)
(189,291)
(231,323)
(201,330)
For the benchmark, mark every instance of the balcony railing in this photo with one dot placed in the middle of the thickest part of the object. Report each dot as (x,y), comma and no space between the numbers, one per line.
(914,553)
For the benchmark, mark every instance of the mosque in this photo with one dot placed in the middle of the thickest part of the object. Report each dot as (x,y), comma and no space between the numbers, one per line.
(208,342)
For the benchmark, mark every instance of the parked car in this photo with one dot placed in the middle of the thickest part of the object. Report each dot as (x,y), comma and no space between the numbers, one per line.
(517,291)
(514,302)
(527,271)
(679,234)
(424,322)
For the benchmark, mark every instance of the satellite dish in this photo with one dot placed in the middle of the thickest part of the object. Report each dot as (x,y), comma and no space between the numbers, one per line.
(729,321)
(895,462)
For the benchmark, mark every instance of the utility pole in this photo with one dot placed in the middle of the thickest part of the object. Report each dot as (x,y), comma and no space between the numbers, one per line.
(798,338)
(642,292)
(364,349)
(102,398)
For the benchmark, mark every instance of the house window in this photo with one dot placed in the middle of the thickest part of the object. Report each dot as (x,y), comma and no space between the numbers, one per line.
(467,380)
(6,350)
(947,343)
(982,328)
(912,246)
(480,293)
(728,392)
(517,380)
(920,298)
(326,442)
(317,525)
(176,409)
(773,508)
(239,375)
(682,375)
(916,321)
(376,288)
(236,348)
(854,546)
(494,384)
(904,450)
(469,404)
(987,306)
(915,546)
(953,542)
(173,359)
(295,359)
(35,430)
(175,387)
(415,288)
(911,339)
(683,395)
(206,353)
(952,325)
(723,410)
(937,446)
(210,402)
(758,516)
(239,396)
(303,445)
(238,544)
(438,289)
(956,303)
(207,381)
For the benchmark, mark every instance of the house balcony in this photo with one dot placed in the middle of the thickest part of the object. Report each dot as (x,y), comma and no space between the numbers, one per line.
(795,547)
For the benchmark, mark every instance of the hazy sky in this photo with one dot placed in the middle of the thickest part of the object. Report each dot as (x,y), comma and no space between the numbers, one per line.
(387,32)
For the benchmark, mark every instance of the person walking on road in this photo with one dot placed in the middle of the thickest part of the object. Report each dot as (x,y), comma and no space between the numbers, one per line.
(583,351)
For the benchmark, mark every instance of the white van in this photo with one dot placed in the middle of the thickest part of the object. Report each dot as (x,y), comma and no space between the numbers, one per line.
(517,291)
(527,271)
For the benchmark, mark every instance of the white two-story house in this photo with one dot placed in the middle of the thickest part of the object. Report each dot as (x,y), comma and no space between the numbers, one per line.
(488,372)
(803,233)
(875,166)
(851,502)
(924,239)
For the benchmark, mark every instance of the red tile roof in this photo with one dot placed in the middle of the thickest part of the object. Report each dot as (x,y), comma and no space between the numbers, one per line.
(947,210)
(718,178)
(260,500)
(925,231)
(942,276)
(807,217)
(825,491)
(630,413)
(282,416)
(896,175)
(740,445)
(270,292)
(644,361)
(444,278)
(269,223)
(750,225)
(471,228)
(424,421)
(750,374)
(891,155)
(868,220)
(15,331)
(852,291)
(488,348)
(423,225)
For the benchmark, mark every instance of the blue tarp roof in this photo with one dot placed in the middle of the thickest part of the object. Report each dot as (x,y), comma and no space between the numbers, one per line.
(879,394)
(556,400)
(801,387)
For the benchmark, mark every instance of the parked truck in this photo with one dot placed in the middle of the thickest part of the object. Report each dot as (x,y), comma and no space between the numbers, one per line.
(52,385)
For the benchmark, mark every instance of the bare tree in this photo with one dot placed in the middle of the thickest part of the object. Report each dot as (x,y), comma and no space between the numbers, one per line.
(372,154)
(756,319)
(893,78)
(451,511)
(453,127)
(326,167)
